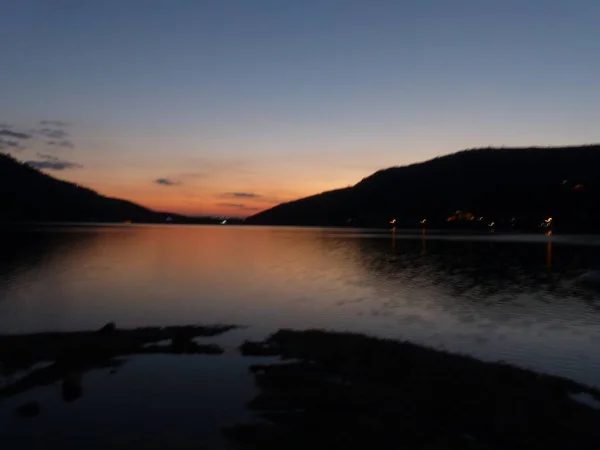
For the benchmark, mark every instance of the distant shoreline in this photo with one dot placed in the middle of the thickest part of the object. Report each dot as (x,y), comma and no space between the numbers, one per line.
(404,231)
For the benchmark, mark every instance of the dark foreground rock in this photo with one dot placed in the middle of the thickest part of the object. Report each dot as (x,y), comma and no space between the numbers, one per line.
(350,391)
(71,353)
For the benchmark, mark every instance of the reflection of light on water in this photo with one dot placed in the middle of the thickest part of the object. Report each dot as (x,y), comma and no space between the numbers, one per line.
(549,249)
(446,289)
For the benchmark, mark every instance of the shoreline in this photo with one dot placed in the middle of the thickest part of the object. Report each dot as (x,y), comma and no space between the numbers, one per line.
(335,389)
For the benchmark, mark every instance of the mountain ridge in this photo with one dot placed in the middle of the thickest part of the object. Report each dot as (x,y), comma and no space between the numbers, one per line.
(528,184)
(28,194)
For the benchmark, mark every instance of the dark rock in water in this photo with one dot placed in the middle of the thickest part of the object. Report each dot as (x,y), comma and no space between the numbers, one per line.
(81,351)
(181,344)
(108,328)
(28,410)
(71,387)
(342,390)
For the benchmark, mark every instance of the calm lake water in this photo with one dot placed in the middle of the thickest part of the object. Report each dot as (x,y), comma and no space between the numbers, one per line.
(499,297)
(511,297)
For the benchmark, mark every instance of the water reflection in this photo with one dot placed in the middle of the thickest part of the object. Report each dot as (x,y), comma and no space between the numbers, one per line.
(510,297)
(461,275)
(549,255)
(25,250)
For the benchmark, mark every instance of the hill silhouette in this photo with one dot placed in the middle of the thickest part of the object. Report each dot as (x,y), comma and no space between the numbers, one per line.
(27,194)
(515,188)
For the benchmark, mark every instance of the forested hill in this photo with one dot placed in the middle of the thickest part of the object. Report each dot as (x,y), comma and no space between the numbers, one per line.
(507,187)
(27,194)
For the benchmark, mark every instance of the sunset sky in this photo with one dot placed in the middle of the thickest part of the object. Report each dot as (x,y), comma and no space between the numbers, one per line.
(231,106)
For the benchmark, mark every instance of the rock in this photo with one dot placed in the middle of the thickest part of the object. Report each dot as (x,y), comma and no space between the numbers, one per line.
(27,410)
(181,344)
(108,328)
(71,387)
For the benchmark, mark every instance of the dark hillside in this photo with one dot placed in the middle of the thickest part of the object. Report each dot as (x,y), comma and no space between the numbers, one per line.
(514,188)
(27,194)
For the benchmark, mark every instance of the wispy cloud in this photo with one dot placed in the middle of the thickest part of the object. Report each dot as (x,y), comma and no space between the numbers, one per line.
(53,123)
(253,196)
(193,175)
(53,133)
(6,144)
(12,140)
(63,144)
(240,195)
(239,206)
(14,134)
(50,162)
(167,182)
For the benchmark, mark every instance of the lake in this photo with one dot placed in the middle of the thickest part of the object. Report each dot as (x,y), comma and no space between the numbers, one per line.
(498,297)
(511,297)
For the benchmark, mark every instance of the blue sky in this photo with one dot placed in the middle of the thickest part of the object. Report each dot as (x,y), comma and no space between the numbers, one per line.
(283,99)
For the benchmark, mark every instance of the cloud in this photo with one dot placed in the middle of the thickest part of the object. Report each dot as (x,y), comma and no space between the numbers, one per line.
(239,206)
(14,134)
(55,137)
(12,140)
(63,144)
(193,175)
(54,123)
(240,195)
(50,162)
(166,182)
(256,198)
(6,144)
(53,133)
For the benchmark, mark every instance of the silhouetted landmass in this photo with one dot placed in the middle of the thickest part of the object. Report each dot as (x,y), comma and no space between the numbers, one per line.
(342,390)
(509,188)
(27,194)
(337,390)
(81,351)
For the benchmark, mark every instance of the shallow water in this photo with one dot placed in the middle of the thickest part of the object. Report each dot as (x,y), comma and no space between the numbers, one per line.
(149,402)
(510,297)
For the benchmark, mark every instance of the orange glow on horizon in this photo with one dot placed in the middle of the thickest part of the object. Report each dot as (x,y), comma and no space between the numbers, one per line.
(166,199)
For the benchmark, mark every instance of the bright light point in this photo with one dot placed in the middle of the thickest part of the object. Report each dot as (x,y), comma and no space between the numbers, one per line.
(393,221)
